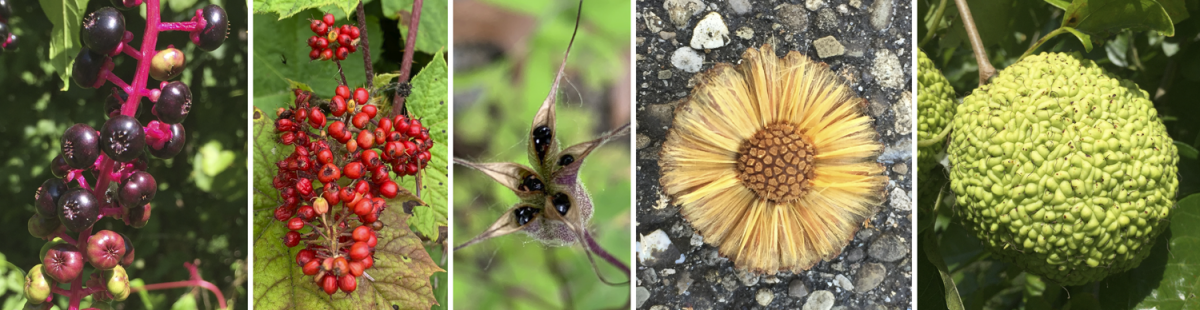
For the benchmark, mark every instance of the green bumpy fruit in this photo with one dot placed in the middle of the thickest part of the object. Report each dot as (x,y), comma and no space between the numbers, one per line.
(37,286)
(935,109)
(1063,169)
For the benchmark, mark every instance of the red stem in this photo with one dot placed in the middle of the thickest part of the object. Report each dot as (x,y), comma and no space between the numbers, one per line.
(194,281)
(410,44)
(132,52)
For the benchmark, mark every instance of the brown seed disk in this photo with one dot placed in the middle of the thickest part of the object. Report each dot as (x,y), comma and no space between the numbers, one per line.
(776,162)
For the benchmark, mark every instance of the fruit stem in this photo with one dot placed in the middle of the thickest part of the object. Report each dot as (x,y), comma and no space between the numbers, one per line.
(986,70)
(935,139)
(131,51)
(179,26)
(933,23)
(76,294)
(195,280)
(1039,42)
(111,211)
(67,238)
(591,244)
(410,44)
(339,64)
(366,50)
(116,80)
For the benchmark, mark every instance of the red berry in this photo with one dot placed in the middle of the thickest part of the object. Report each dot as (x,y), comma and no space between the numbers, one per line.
(314,54)
(366,139)
(359,250)
(360,120)
(283,213)
(305,213)
(346,194)
(295,223)
(336,129)
(342,91)
(329,173)
(305,256)
(354,32)
(372,241)
(312,41)
(411,168)
(304,185)
(331,193)
(340,266)
(328,19)
(389,189)
(363,207)
(318,27)
(316,118)
(291,238)
(415,129)
(329,284)
(325,156)
(326,54)
(356,268)
(370,158)
(368,262)
(311,267)
(362,96)
(353,170)
(337,106)
(362,188)
(342,52)
(347,283)
(361,233)
(385,124)
(344,39)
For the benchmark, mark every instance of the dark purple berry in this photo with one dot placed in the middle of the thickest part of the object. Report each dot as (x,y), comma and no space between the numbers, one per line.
(40,226)
(59,167)
(113,103)
(47,197)
(5,11)
(172,146)
(4,30)
(174,103)
(80,146)
(137,216)
(137,190)
(103,30)
(524,215)
(128,251)
(216,28)
(87,68)
(78,210)
(122,138)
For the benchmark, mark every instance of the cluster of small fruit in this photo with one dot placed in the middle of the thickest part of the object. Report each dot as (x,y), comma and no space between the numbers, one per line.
(8,40)
(66,204)
(339,243)
(107,251)
(331,41)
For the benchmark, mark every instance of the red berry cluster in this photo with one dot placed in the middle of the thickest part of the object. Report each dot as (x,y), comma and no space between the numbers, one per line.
(339,244)
(331,41)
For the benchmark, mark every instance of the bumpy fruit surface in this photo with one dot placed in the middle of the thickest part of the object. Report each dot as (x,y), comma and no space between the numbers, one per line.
(63,262)
(1063,169)
(105,249)
(935,108)
(117,283)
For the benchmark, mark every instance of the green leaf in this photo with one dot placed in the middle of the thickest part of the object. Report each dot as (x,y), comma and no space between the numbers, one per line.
(267,151)
(1104,16)
(933,253)
(1168,277)
(67,16)
(1186,151)
(434,24)
(1061,4)
(1083,38)
(401,272)
(273,79)
(428,103)
(287,8)
(185,302)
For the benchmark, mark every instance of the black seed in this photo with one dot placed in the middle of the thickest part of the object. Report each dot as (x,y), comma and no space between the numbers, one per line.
(541,140)
(531,183)
(562,203)
(524,215)
(566,160)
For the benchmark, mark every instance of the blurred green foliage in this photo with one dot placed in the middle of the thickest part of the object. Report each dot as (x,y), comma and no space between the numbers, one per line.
(492,116)
(1168,68)
(199,212)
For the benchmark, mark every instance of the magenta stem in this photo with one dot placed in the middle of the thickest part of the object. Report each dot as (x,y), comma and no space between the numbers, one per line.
(116,80)
(194,281)
(132,52)
(591,243)
(111,211)
(67,238)
(179,26)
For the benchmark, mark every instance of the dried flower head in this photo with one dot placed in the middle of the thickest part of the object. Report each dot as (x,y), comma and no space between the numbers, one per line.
(773,161)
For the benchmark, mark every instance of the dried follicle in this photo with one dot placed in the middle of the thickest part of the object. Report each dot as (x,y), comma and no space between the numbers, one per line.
(773,162)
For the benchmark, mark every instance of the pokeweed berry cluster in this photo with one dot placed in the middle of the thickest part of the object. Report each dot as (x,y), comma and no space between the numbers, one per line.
(8,40)
(334,163)
(331,41)
(66,205)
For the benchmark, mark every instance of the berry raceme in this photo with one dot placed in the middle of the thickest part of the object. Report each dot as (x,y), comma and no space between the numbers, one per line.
(114,155)
(330,41)
(344,159)
(8,39)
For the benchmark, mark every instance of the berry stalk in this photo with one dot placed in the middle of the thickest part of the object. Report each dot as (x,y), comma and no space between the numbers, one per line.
(410,44)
